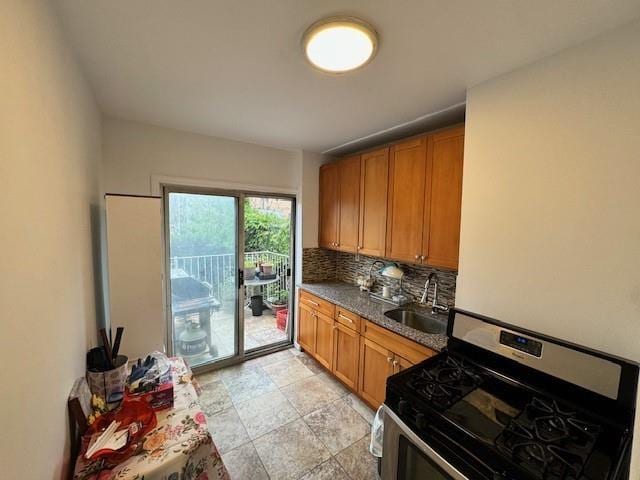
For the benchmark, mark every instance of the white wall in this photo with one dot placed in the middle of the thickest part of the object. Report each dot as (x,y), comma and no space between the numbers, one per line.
(310,194)
(49,165)
(551,197)
(133,152)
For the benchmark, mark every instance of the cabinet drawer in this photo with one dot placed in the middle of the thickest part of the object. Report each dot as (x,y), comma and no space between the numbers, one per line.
(348,319)
(408,349)
(317,304)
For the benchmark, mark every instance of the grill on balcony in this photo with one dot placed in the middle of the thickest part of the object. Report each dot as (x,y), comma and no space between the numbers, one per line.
(202,285)
(219,271)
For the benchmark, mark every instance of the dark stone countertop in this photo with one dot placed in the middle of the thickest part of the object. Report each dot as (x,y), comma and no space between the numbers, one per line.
(350,297)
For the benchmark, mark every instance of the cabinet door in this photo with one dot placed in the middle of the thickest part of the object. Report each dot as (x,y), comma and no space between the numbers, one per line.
(329,206)
(374,184)
(400,364)
(349,193)
(306,329)
(324,340)
(375,367)
(443,240)
(405,212)
(346,347)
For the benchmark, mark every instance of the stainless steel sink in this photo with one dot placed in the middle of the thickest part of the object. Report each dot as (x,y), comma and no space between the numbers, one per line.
(425,322)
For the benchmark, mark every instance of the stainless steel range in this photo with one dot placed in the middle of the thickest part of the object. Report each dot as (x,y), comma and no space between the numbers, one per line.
(505,403)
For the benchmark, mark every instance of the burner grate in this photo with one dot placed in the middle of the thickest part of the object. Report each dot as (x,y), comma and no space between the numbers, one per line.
(445,382)
(549,442)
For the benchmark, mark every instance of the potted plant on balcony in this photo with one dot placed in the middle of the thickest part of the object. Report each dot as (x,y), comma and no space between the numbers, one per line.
(279,301)
(249,270)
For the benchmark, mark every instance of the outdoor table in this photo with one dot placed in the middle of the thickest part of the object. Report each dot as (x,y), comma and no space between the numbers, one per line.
(259,283)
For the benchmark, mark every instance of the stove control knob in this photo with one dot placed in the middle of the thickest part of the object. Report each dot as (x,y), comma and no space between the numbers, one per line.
(403,407)
(421,422)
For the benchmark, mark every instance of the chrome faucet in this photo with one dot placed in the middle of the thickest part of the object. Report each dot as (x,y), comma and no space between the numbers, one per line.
(435,308)
(425,294)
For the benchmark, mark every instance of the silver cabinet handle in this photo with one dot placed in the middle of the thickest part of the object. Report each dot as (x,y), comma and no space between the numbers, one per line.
(313,303)
(422,257)
(395,363)
(389,359)
(346,318)
(417,257)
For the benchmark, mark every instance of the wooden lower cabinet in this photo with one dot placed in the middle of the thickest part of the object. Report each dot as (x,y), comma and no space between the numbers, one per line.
(359,353)
(400,364)
(307,329)
(375,367)
(346,349)
(377,363)
(324,340)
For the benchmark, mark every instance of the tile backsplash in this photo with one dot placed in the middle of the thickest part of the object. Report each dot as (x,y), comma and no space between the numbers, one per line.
(319,264)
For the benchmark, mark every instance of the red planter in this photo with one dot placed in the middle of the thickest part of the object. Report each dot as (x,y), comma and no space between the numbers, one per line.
(281,319)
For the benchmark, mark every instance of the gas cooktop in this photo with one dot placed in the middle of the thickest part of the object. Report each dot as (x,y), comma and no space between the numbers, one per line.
(484,405)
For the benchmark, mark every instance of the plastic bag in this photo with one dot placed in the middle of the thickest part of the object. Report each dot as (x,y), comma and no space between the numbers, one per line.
(377,431)
(155,369)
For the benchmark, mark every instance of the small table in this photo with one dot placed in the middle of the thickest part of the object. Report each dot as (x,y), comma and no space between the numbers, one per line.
(259,283)
(180,443)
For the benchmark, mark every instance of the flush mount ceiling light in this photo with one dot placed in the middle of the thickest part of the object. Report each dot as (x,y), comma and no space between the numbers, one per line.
(340,44)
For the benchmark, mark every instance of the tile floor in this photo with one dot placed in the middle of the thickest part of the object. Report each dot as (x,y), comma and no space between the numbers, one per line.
(283,417)
(262,330)
(259,332)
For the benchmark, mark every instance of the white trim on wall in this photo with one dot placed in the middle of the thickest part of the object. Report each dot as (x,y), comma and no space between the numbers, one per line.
(157,181)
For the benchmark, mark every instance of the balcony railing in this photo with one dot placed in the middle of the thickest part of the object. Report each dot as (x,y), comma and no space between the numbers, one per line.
(219,271)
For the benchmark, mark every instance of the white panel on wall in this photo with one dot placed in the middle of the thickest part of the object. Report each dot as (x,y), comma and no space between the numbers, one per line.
(134,248)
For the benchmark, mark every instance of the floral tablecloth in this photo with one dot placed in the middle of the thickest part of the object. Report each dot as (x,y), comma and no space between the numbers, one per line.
(179,448)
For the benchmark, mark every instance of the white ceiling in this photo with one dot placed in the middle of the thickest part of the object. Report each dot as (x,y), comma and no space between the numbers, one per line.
(235,69)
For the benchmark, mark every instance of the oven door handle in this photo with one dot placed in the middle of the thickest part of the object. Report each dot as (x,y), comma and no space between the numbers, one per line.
(433,455)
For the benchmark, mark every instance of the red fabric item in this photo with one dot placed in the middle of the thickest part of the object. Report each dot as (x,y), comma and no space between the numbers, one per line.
(130,411)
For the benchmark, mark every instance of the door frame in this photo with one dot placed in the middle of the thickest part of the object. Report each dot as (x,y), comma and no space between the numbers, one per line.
(239,196)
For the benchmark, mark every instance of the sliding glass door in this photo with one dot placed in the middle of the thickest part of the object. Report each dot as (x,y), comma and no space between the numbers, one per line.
(229,263)
(202,238)
(268,247)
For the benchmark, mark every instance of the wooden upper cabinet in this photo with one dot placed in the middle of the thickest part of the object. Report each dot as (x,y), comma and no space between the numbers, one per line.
(442,238)
(349,203)
(374,184)
(402,202)
(406,200)
(329,206)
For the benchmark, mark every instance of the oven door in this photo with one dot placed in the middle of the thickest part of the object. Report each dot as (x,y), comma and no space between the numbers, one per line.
(407,457)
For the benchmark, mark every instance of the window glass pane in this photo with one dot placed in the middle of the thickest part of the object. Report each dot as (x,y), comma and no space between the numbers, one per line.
(267,262)
(203,264)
